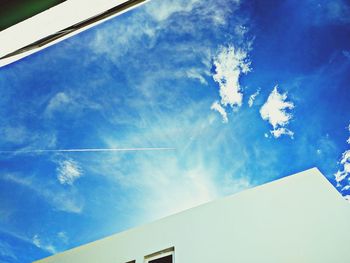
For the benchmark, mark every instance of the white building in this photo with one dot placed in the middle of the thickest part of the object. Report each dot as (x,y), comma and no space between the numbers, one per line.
(297,219)
(54,24)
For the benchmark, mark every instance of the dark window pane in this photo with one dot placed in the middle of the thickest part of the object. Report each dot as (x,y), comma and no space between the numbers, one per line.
(167,259)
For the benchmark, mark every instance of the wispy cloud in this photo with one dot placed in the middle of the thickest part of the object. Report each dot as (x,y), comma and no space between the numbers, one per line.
(345,162)
(253,97)
(157,17)
(276,112)
(160,105)
(62,200)
(44,246)
(14,134)
(159,185)
(17,246)
(345,188)
(164,9)
(327,12)
(282,131)
(191,59)
(63,237)
(342,177)
(68,171)
(194,73)
(6,251)
(216,106)
(69,102)
(57,102)
(88,150)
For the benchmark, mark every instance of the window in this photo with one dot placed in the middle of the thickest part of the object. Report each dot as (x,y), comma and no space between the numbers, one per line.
(164,256)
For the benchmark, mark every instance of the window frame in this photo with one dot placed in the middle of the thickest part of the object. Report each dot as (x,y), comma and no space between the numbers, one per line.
(160,254)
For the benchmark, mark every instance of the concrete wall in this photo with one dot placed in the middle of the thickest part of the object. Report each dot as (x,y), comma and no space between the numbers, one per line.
(297,219)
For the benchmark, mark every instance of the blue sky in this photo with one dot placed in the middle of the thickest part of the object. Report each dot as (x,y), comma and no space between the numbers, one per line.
(244,91)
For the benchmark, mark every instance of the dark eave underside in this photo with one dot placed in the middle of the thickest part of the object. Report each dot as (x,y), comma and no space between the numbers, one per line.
(44,41)
(15,11)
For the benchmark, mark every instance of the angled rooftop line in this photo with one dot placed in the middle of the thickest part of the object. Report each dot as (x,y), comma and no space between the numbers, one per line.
(299,218)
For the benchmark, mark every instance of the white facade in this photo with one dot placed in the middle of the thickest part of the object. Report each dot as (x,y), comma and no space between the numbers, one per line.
(51,21)
(297,219)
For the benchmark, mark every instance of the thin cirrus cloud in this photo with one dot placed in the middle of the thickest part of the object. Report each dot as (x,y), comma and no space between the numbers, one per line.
(163,10)
(230,61)
(276,112)
(69,102)
(6,251)
(40,244)
(61,200)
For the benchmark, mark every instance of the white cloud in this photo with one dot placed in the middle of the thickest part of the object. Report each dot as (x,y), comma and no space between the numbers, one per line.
(63,237)
(164,184)
(345,162)
(282,131)
(68,171)
(66,201)
(327,12)
(193,187)
(231,185)
(230,63)
(149,24)
(345,188)
(70,102)
(14,134)
(275,112)
(36,241)
(342,176)
(163,9)
(196,74)
(157,16)
(216,106)
(24,138)
(7,251)
(253,97)
(47,247)
(58,101)
(165,187)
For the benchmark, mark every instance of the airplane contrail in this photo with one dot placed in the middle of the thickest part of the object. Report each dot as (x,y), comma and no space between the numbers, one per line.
(90,150)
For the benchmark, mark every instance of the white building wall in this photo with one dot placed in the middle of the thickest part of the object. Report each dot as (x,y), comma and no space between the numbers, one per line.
(297,219)
(49,22)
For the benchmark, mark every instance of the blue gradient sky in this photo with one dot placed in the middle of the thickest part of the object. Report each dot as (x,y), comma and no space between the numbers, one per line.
(174,74)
